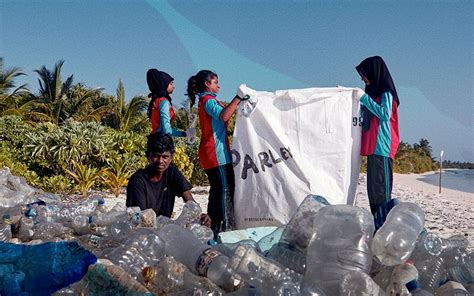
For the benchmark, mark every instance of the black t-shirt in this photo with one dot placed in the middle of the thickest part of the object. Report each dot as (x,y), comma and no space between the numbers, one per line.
(159,196)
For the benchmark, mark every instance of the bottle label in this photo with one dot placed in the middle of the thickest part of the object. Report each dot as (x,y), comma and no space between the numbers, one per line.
(204,260)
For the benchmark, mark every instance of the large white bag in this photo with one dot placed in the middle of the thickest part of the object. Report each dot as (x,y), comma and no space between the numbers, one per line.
(294,143)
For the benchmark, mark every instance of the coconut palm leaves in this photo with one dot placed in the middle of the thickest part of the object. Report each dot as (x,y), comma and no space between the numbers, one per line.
(52,93)
(128,116)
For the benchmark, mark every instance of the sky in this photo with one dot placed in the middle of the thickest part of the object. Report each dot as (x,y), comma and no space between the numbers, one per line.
(269,45)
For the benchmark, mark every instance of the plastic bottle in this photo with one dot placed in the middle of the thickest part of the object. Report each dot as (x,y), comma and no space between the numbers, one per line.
(461,274)
(161,221)
(338,249)
(203,233)
(198,257)
(143,248)
(452,289)
(395,240)
(190,213)
(431,273)
(300,228)
(415,290)
(437,246)
(265,274)
(401,275)
(4,173)
(228,249)
(81,225)
(25,231)
(172,277)
(109,279)
(291,249)
(357,282)
(47,231)
(192,129)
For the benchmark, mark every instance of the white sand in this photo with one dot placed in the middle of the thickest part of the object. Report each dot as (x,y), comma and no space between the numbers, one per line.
(448,213)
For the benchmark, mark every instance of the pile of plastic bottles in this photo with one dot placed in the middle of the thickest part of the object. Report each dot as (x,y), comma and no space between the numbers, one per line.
(47,246)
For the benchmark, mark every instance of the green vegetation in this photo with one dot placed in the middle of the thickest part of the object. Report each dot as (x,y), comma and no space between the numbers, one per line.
(70,138)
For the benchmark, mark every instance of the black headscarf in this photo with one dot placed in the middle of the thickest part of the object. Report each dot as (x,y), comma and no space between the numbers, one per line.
(158,82)
(376,71)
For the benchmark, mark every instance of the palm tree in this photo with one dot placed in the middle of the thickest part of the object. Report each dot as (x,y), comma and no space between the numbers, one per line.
(8,98)
(81,104)
(128,116)
(424,147)
(53,92)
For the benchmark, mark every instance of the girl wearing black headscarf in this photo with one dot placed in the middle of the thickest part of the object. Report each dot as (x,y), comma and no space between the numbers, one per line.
(380,136)
(160,109)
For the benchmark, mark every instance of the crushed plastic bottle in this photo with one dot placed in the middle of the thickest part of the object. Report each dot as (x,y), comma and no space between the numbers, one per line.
(198,257)
(228,249)
(112,279)
(394,242)
(143,248)
(336,250)
(171,277)
(263,273)
(431,273)
(190,213)
(291,249)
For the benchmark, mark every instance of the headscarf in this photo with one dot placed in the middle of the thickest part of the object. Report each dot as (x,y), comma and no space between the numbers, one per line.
(158,82)
(376,71)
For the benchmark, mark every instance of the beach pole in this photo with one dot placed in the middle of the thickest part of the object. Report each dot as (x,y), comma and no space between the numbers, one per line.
(440,168)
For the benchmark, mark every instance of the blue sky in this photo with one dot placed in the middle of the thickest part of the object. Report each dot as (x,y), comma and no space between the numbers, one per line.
(269,45)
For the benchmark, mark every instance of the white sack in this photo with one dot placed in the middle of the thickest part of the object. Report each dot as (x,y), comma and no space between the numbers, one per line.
(296,142)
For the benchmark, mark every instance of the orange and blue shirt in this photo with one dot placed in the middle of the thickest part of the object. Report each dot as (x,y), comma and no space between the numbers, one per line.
(214,149)
(382,137)
(162,115)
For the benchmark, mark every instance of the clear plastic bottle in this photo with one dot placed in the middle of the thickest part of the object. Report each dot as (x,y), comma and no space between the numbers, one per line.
(25,231)
(172,277)
(358,283)
(228,249)
(394,242)
(401,275)
(300,228)
(203,233)
(461,274)
(265,274)
(48,230)
(435,245)
(4,173)
(198,257)
(143,248)
(190,213)
(452,289)
(431,273)
(291,249)
(109,279)
(81,225)
(338,249)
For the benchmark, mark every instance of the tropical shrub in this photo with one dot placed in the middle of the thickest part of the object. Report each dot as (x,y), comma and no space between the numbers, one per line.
(85,177)
(116,175)
(56,184)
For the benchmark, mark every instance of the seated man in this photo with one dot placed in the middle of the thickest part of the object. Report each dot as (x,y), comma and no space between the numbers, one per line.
(156,186)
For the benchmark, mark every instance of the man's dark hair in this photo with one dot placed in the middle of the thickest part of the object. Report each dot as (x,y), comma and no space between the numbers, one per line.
(159,143)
